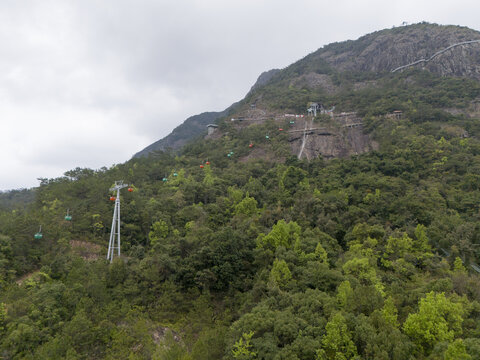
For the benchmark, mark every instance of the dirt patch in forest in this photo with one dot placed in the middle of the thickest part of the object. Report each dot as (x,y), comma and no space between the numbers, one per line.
(21,279)
(86,250)
(160,333)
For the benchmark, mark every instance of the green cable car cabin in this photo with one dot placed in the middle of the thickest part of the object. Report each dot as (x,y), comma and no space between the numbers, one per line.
(38,235)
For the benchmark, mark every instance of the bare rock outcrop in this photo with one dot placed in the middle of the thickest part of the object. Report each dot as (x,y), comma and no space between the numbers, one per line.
(385,50)
(342,139)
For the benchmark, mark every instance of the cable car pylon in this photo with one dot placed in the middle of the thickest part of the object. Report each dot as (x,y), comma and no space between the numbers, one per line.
(115,231)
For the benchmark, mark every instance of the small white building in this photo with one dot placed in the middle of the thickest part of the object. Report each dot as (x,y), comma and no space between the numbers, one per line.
(313,108)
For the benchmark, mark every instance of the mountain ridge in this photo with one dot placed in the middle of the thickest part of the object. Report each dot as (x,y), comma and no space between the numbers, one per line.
(378,52)
(196,125)
(189,129)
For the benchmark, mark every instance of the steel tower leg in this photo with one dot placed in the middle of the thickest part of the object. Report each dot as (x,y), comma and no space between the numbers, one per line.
(118,222)
(115,230)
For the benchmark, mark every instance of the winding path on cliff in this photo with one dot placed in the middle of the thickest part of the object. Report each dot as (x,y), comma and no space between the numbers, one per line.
(305,136)
(436,54)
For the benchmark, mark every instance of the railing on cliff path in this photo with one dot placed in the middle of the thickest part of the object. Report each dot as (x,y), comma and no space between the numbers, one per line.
(436,54)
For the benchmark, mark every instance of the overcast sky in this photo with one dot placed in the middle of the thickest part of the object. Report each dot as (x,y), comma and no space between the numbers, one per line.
(88,83)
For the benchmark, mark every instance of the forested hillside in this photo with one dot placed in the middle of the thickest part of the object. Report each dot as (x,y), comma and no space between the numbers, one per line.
(232,251)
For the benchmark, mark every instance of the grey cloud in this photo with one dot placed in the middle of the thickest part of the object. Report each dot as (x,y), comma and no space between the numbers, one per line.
(139,68)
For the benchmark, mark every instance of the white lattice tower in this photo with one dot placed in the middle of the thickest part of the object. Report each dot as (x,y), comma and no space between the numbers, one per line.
(115,231)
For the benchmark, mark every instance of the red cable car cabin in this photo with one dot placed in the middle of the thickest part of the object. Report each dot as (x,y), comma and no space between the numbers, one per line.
(113,198)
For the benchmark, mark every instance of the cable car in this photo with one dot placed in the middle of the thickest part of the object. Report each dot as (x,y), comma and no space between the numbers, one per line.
(113,198)
(280,129)
(38,235)
(165,179)
(175,174)
(130,189)
(267,137)
(68,217)
(251,145)
(229,155)
(201,166)
(208,162)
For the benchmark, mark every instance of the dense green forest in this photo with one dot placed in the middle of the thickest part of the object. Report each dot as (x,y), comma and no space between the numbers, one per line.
(361,258)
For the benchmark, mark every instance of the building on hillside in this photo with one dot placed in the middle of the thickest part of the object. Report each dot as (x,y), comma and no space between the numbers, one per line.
(327,111)
(313,108)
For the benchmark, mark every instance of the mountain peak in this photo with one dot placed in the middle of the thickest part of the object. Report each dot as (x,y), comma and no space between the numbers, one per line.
(386,50)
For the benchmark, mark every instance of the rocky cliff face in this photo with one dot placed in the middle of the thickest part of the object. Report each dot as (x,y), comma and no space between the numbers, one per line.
(264,78)
(331,142)
(338,135)
(385,50)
